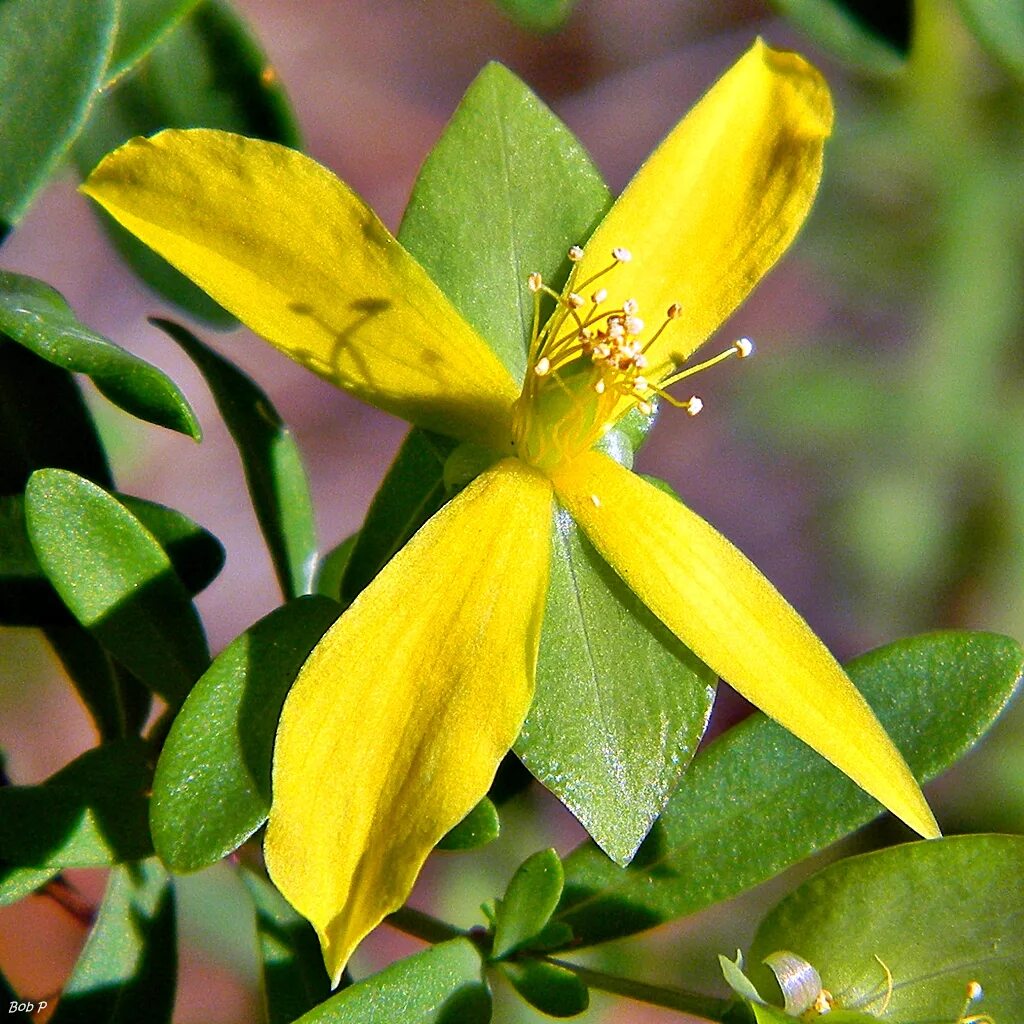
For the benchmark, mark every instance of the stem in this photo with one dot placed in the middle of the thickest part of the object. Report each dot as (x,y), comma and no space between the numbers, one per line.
(671,998)
(422,926)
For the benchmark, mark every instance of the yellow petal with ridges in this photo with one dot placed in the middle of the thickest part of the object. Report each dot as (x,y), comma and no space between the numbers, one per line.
(298,257)
(718,603)
(398,720)
(719,200)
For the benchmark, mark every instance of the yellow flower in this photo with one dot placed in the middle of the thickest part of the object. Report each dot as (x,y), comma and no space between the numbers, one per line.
(399,718)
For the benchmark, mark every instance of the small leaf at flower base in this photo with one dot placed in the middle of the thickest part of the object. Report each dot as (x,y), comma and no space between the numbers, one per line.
(292,967)
(52,59)
(620,704)
(939,915)
(126,971)
(273,465)
(480,827)
(551,989)
(533,193)
(528,903)
(757,800)
(999,27)
(141,24)
(538,15)
(212,784)
(117,581)
(36,316)
(441,985)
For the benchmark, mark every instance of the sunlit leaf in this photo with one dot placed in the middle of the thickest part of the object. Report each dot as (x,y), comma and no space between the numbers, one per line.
(528,903)
(538,15)
(479,827)
(141,24)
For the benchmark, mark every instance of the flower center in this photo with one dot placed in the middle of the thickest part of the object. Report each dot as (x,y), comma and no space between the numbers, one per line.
(589,365)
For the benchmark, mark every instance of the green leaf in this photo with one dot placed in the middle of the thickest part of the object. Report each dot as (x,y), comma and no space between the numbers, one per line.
(999,26)
(620,704)
(208,72)
(552,989)
(141,24)
(411,493)
(864,32)
(92,813)
(480,827)
(332,567)
(17,883)
(441,985)
(757,799)
(52,59)
(532,194)
(538,15)
(938,914)
(116,580)
(212,784)
(270,457)
(36,316)
(291,964)
(126,972)
(528,903)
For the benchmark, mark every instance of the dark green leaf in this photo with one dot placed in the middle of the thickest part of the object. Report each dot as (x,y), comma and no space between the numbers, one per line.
(999,26)
(212,785)
(528,903)
(758,800)
(870,33)
(538,15)
(91,813)
(52,59)
(292,966)
(532,194)
(208,72)
(441,985)
(552,989)
(938,914)
(620,703)
(271,460)
(478,828)
(332,567)
(140,26)
(411,493)
(37,317)
(116,580)
(126,972)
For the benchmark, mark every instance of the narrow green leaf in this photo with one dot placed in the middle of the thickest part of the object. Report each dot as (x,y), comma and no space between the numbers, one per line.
(538,15)
(126,972)
(92,813)
(332,567)
(291,963)
(938,914)
(17,883)
(116,580)
(480,827)
(207,72)
(441,985)
(533,193)
(270,457)
(528,903)
(620,704)
(141,24)
(36,316)
(551,989)
(52,59)
(999,26)
(758,800)
(212,784)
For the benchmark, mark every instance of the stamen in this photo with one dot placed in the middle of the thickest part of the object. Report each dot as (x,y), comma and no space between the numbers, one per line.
(738,349)
(535,282)
(744,348)
(543,367)
(621,255)
(630,307)
(599,296)
(694,406)
(575,301)
(575,254)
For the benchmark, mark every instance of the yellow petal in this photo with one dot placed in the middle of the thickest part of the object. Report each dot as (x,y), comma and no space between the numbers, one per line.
(717,602)
(718,202)
(298,257)
(398,720)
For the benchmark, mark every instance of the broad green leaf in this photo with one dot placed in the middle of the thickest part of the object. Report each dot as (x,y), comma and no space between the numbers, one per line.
(52,59)
(532,194)
(43,422)
(36,316)
(91,813)
(441,985)
(212,784)
(528,903)
(126,972)
(411,493)
(478,828)
(999,26)
(757,800)
(538,15)
(117,581)
(141,24)
(620,704)
(865,32)
(291,964)
(552,989)
(938,914)
(207,72)
(331,568)
(270,457)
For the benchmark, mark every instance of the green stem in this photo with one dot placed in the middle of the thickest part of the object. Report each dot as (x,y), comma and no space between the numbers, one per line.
(423,926)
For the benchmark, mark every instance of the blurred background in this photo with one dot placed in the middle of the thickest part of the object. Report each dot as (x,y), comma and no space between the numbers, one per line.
(870,459)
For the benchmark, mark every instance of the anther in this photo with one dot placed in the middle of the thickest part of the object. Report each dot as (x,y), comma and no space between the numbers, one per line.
(599,296)
(621,255)
(634,325)
(693,406)
(674,311)
(744,347)
(575,254)
(600,386)
(974,992)
(543,366)
(575,301)
(630,307)
(535,282)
